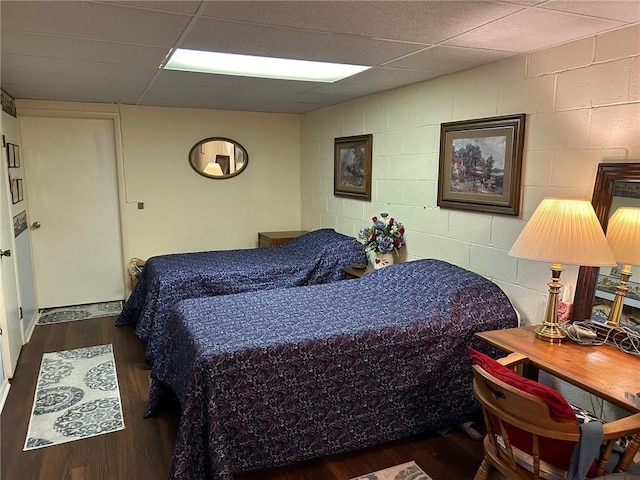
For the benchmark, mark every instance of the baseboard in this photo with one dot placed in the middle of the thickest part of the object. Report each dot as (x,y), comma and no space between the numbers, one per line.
(32,326)
(4,392)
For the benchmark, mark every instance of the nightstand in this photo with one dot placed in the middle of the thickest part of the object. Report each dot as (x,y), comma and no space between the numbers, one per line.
(269,239)
(352,272)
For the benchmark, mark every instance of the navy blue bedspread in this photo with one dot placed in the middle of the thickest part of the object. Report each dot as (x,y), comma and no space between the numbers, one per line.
(314,257)
(275,377)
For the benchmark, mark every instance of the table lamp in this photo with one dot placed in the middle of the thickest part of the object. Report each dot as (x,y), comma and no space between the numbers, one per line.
(623,235)
(213,168)
(562,231)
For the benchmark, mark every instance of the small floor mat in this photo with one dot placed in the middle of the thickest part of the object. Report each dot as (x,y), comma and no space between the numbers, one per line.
(77,396)
(405,471)
(79,312)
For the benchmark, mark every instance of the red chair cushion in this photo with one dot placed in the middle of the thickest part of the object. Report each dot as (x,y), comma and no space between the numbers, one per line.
(555,452)
(559,408)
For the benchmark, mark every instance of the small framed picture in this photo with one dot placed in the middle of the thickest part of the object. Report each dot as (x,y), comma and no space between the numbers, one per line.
(481,164)
(16,190)
(352,166)
(16,156)
(10,155)
(19,223)
(13,184)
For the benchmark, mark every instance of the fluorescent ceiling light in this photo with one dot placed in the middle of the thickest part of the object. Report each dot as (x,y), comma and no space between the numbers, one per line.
(264,67)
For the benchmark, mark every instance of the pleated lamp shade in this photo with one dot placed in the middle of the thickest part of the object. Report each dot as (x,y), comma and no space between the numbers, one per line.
(213,168)
(564,231)
(623,235)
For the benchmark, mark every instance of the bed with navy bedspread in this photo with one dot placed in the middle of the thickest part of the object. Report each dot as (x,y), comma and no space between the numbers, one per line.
(312,258)
(275,377)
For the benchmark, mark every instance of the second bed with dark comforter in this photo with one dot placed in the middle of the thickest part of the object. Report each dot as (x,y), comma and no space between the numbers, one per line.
(315,257)
(275,377)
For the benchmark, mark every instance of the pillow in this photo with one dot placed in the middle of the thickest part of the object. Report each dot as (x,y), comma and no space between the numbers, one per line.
(559,408)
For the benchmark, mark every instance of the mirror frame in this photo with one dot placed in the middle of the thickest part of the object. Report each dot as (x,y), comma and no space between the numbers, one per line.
(220,139)
(608,174)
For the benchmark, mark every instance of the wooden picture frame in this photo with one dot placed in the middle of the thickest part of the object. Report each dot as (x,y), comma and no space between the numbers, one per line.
(10,155)
(481,164)
(15,190)
(352,166)
(16,156)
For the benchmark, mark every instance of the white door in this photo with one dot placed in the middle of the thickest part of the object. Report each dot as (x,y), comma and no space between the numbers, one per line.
(9,311)
(70,175)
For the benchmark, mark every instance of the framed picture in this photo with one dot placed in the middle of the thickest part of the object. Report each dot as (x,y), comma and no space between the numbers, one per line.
(19,223)
(8,103)
(481,164)
(16,190)
(352,168)
(13,185)
(10,155)
(16,156)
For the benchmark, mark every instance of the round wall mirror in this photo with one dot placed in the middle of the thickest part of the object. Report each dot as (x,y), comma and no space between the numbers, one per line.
(218,157)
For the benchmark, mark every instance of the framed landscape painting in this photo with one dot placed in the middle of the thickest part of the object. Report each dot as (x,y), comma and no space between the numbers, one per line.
(352,167)
(481,164)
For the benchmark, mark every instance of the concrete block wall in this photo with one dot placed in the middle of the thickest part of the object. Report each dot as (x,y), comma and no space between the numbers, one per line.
(582,101)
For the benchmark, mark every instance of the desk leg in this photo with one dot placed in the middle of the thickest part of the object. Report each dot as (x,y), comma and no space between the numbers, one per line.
(629,453)
(531,372)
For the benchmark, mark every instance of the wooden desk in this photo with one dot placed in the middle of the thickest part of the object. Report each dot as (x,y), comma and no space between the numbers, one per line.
(602,370)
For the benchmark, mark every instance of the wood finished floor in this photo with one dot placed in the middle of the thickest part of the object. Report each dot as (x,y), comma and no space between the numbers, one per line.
(143,450)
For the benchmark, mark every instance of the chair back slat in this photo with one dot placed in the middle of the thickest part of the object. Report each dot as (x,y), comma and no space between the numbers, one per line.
(523,422)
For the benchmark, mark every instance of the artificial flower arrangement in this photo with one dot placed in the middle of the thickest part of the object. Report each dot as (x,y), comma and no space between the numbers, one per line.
(383,236)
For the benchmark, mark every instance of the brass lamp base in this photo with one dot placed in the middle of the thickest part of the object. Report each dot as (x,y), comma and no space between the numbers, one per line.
(550,333)
(618,302)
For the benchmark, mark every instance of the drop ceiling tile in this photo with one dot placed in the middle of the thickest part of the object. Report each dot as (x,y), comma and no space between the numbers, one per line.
(72,94)
(94,20)
(623,11)
(412,21)
(321,98)
(81,49)
(250,39)
(288,107)
(182,6)
(221,99)
(529,3)
(350,89)
(385,76)
(532,29)
(68,73)
(445,59)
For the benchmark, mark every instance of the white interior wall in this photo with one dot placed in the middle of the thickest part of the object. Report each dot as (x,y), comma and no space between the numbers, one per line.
(184,211)
(582,101)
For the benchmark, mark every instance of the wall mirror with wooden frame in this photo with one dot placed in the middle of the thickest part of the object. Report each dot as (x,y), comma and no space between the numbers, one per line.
(218,157)
(616,185)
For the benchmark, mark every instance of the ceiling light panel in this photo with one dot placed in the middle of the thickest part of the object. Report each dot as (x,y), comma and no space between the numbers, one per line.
(263,67)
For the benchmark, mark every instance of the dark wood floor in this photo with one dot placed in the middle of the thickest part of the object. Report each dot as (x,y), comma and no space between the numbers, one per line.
(142,451)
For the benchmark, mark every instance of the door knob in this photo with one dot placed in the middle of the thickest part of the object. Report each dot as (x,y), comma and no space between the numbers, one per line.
(35,225)
(5,253)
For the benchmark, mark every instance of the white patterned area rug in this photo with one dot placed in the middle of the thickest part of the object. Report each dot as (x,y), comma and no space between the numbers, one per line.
(405,471)
(77,396)
(79,312)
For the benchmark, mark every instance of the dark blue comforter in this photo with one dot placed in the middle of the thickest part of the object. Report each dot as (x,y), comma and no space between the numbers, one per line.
(275,377)
(315,257)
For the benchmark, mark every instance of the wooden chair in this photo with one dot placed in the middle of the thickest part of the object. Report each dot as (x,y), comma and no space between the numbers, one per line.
(525,438)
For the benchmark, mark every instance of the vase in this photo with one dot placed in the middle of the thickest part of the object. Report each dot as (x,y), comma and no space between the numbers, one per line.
(382,260)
